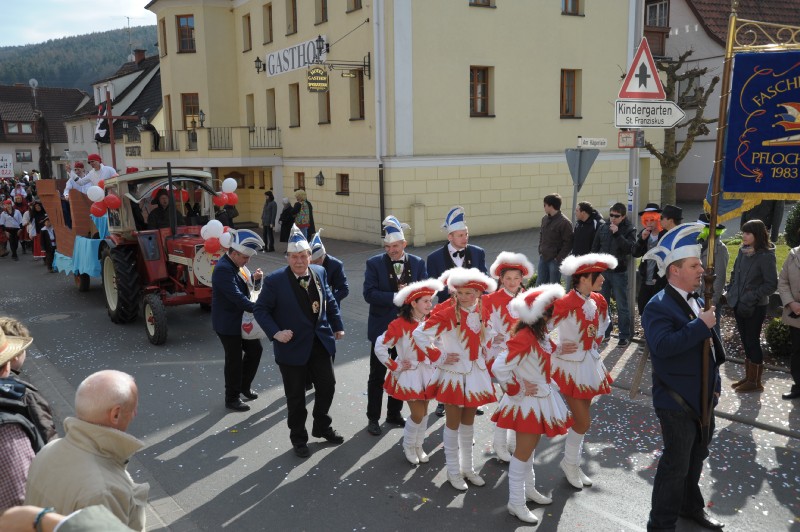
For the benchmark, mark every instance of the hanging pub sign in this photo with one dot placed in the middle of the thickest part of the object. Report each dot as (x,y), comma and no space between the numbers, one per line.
(317,79)
(762,154)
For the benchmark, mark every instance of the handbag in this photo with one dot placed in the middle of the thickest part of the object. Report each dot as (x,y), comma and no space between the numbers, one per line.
(251,330)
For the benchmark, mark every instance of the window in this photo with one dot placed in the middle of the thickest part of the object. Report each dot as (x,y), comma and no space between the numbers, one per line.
(272,122)
(353,5)
(294,105)
(162,36)
(343,184)
(190,106)
(250,112)
(75,134)
(321,12)
(324,101)
(570,93)
(247,41)
(479,82)
(482,3)
(571,7)
(357,95)
(24,156)
(299,180)
(267,15)
(657,13)
(19,128)
(185,33)
(291,17)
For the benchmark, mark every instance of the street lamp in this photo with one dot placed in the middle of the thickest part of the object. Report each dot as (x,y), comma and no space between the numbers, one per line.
(320,179)
(259,65)
(202,117)
(319,47)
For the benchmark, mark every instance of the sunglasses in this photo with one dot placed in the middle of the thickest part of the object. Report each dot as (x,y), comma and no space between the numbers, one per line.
(612,215)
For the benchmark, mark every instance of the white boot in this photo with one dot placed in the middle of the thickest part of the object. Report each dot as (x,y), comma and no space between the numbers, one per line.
(573,474)
(450,438)
(512,441)
(516,492)
(572,458)
(500,444)
(410,441)
(530,485)
(421,456)
(465,435)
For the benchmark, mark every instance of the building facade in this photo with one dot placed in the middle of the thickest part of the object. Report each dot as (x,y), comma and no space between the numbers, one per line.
(430,105)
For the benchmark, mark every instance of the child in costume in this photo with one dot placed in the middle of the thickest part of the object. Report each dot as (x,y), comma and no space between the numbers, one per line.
(457,338)
(581,317)
(511,270)
(409,368)
(531,406)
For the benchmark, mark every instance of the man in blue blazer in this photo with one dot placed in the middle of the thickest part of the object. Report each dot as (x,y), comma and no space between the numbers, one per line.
(386,274)
(299,314)
(231,284)
(337,280)
(676,328)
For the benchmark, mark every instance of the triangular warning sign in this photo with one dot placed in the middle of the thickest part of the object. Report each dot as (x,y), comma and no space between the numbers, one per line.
(642,81)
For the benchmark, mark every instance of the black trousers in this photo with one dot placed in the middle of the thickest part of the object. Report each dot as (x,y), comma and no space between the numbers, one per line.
(269,238)
(13,240)
(750,332)
(319,369)
(794,337)
(377,376)
(241,364)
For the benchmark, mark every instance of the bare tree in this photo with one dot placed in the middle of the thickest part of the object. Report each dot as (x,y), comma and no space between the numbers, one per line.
(696,126)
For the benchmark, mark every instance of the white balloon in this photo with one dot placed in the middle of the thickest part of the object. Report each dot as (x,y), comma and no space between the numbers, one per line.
(204,232)
(225,240)
(215,229)
(229,185)
(96,193)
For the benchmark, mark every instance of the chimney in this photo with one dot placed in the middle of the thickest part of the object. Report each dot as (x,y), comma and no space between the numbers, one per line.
(138,55)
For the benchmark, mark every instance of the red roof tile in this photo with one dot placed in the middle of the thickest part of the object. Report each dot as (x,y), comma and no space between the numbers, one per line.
(713,15)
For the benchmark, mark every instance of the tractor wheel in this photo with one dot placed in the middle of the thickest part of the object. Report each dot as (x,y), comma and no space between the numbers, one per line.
(121,283)
(82,282)
(155,319)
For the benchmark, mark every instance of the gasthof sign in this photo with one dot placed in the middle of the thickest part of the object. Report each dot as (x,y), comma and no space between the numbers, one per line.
(317,79)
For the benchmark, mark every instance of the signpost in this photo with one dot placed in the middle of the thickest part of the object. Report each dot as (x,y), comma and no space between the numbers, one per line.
(6,165)
(647,113)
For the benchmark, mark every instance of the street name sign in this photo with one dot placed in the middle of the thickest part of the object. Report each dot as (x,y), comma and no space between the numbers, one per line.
(647,113)
(590,142)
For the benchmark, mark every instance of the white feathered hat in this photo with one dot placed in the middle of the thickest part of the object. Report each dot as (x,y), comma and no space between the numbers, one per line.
(508,260)
(317,248)
(470,278)
(455,221)
(589,263)
(297,242)
(393,230)
(414,291)
(680,242)
(531,305)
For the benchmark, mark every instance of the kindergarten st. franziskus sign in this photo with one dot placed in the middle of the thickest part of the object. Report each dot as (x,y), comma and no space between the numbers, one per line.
(762,153)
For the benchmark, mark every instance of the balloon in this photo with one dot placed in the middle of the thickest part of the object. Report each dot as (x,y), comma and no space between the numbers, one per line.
(214,229)
(220,199)
(184,196)
(98,208)
(204,232)
(233,198)
(95,193)
(112,201)
(101,183)
(229,185)
(212,245)
(225,229)
(225,240)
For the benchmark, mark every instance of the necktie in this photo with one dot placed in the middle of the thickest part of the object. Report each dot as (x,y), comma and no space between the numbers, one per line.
(459,253)
(303,280)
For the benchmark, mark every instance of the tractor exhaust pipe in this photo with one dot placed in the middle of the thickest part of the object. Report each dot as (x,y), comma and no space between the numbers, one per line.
(173,222)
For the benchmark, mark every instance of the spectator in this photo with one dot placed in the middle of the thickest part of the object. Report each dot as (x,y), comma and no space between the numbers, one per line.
(768,211)
(23,206)
(587,222)
(268,215)
(303,213)
(48,239)
(617,238)
(721,258)
(753,279)
(91,519)
(337,280)
(286,220)
(647,274)
(19,438)
(11,221)
(88,465)
(555,240)
(37,214)
(789,290)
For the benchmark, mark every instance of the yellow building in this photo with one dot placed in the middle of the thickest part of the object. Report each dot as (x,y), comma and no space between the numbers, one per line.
(430,104)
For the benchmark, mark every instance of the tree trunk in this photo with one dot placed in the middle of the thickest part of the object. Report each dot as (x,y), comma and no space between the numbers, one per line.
(668,177)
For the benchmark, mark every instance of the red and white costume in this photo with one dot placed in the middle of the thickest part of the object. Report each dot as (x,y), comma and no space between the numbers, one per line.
(404,384)
(499,319)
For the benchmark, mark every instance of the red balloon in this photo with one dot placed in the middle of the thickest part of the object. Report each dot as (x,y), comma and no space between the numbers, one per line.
(184,195)
(225,228)
(112,201)
(101,183)
(233,198)
(212,245)
(220,199)
(98,208)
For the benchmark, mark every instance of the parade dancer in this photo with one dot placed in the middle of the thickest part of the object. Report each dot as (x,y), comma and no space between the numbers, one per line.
(531,405)
(410,371)
(512,270)
(581,317)
(457,338)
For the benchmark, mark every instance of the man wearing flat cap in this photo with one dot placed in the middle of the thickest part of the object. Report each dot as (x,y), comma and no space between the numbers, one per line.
(159,216)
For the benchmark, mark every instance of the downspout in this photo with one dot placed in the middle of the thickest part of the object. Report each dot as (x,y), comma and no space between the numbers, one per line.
(379,64)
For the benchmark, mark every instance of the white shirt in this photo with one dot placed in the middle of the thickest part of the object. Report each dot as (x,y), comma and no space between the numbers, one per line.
(95,176)
(458,261)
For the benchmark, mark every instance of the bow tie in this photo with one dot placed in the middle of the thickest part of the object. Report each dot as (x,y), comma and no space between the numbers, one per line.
(398,262)
(692,295)
(459,253)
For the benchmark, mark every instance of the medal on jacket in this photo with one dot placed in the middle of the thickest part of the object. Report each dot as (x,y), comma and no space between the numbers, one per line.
(315,307)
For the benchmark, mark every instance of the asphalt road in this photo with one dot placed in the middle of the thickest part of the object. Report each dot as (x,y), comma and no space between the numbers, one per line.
(211,469)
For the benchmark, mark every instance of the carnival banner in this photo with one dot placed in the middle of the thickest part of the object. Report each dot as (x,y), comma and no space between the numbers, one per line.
(762,155)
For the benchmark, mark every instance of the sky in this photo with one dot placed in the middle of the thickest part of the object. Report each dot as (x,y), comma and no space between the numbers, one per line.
(35,21)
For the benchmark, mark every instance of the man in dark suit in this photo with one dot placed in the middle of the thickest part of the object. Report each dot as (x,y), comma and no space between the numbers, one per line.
(298,313)
(337,280)
(386,274)
(676,328)
(231,284)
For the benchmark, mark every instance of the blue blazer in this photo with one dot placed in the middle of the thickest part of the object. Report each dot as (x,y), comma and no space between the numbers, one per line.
(230,297)
(278,308)
(336,278)
(379,291)
(439,261)
(675,339)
